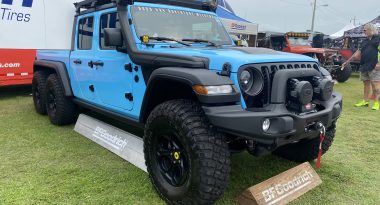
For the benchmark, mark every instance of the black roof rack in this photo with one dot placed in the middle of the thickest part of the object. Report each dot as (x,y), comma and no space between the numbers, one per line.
(207,5)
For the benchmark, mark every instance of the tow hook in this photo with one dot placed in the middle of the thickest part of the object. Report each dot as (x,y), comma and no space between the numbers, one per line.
(314,126)
(322,135)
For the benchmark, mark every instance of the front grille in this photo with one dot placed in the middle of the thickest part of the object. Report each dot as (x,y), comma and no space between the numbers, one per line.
(269,70)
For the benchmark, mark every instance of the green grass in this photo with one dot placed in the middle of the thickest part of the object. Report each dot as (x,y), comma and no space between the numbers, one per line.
(44,164)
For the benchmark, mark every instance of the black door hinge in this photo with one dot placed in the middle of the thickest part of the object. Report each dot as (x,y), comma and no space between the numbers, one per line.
(226,70)
(92,88)
(128,67)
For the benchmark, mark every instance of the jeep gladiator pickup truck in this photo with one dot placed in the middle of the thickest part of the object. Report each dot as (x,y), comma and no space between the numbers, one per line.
(170,68)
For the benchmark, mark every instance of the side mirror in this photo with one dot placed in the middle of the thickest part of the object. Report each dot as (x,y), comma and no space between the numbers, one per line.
(113,37)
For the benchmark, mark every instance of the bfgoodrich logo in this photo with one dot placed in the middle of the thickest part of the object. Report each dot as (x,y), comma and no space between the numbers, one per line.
(7,14)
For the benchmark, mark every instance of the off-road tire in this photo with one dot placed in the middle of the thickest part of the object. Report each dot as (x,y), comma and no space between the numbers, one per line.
(307,150)
(38,91)
(343,75)
(206,149)
(64,110)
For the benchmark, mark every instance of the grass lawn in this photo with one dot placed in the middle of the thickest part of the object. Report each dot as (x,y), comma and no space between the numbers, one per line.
(44,164)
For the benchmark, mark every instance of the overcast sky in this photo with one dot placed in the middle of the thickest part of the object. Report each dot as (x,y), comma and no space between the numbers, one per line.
(296,15)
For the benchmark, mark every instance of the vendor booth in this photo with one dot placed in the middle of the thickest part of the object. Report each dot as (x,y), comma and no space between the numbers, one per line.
(237,26)
(358,31)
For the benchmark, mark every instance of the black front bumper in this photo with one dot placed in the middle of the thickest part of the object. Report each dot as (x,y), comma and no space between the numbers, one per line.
(286,127)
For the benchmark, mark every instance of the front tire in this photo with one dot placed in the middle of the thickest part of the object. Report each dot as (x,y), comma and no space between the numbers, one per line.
(187,160)
(307,150)
(61,110)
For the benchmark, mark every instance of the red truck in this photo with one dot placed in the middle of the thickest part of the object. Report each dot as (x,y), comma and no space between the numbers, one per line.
(299,43)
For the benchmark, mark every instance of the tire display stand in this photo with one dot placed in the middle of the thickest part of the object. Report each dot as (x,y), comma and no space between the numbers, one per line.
(122,143)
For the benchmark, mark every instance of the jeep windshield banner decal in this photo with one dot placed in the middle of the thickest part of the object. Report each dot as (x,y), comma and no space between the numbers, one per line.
(172,11)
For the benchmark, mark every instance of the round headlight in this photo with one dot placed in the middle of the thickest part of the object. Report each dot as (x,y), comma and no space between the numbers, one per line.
(246,80)
(251,81)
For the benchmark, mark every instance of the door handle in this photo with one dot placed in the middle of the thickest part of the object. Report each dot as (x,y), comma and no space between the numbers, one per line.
(77,61)
(98,63)
(91,64)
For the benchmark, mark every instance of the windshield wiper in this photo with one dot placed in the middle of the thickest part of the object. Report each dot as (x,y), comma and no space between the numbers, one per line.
(195,40)
(169,39)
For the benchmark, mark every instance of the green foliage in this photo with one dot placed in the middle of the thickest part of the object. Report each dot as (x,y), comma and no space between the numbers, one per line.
(45,164)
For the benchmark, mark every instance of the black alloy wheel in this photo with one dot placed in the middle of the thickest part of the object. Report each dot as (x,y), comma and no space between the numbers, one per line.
(188,161)
(38,91)
(52,102)
(60,109)
(172,161)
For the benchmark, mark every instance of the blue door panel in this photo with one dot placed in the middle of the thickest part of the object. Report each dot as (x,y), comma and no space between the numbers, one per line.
(82,55)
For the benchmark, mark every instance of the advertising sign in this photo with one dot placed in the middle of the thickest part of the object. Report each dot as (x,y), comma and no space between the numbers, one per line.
(240,27)
(36,24)
(27,25)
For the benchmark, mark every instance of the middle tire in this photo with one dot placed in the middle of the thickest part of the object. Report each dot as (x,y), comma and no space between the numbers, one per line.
(187,160)
(60,109)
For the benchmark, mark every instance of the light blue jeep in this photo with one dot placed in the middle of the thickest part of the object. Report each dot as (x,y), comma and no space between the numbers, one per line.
(170,68)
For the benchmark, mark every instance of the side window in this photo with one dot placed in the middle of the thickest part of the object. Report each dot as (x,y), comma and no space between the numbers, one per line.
(110,20)
(85,33)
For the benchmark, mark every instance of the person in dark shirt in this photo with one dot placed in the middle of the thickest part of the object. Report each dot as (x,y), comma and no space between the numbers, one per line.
(369,70)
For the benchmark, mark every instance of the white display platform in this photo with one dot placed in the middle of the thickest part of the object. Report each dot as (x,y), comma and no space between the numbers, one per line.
(120,142)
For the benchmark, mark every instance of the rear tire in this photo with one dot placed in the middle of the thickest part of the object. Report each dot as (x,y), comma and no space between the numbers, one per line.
(61,110)
(38,91)
(306,150)
(200,173)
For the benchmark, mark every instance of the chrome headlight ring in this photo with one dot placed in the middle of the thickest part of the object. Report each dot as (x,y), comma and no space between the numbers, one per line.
(251,80)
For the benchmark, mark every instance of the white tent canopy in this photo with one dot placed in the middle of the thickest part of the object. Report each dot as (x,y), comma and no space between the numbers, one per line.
(340,33)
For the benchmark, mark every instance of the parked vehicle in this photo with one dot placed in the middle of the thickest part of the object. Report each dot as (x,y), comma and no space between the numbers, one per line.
(299,43)
(170,68)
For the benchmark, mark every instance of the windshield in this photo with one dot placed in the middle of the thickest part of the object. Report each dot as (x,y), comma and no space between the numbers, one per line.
(299,41)
(177,24)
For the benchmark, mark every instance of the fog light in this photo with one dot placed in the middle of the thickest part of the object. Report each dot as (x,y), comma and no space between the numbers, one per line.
(266,125)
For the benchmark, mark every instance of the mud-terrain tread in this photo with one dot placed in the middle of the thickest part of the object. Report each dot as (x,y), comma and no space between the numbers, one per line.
(65,108)
(207,144)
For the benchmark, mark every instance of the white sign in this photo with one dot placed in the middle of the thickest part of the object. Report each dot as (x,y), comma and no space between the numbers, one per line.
(239,27)
(120,142)
(36,24)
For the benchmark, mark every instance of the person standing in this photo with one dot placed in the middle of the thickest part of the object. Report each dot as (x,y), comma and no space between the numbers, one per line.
(369,68)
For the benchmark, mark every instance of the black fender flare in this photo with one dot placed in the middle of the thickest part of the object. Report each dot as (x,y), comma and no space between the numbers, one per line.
(57,67)
(190,77)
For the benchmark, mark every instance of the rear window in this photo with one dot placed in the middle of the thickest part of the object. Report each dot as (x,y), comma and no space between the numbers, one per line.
(85,33)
